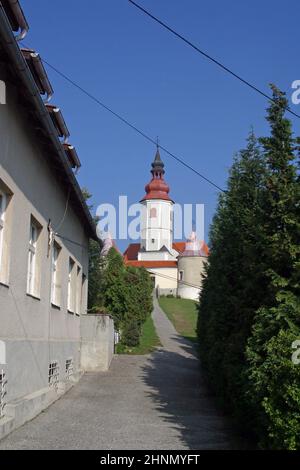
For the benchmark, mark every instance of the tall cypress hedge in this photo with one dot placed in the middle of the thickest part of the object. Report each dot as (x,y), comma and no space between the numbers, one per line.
(249,311)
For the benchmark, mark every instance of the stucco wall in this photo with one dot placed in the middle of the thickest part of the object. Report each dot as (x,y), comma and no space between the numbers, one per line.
(158,228)
(192,268)
(165,278)
(35,333)
(97,342)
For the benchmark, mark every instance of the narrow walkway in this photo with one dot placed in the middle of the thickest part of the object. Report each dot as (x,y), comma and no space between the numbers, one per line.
(143,402)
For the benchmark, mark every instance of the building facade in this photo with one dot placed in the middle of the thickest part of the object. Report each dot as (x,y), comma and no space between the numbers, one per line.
(45,228)
(175,267)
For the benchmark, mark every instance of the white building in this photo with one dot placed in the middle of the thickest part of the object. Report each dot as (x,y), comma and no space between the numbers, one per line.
(173,268)
(45,227)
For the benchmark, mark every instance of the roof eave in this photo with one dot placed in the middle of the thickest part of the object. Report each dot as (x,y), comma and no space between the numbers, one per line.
(20,65)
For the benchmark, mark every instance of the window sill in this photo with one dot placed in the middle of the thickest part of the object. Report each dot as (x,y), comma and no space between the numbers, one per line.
(35,297)
(55,306)
(4,284)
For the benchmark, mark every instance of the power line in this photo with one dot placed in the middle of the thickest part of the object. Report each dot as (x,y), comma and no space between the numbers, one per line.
(165,276)
(207,56)
(129,124)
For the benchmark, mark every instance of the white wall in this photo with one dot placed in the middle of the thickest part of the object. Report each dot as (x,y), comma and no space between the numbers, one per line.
(159,228)
(165,278)
(34,332)
(97,342)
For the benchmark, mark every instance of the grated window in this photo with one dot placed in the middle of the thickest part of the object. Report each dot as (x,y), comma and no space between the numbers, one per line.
(3,383)
(53,376)
(69,368)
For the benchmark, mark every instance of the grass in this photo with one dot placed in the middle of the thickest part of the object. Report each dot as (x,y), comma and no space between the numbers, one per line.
(183,314)
(149,340)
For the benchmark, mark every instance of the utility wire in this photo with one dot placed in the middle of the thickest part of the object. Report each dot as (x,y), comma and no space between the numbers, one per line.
(209,57)
(129,124)
(165,276)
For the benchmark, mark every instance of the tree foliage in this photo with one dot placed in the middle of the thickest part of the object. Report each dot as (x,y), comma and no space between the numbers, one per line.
(127,295)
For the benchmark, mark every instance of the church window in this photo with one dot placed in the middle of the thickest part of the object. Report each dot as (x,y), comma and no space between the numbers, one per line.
(152,212)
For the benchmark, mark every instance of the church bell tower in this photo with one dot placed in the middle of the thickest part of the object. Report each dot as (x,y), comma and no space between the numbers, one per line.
(157,216)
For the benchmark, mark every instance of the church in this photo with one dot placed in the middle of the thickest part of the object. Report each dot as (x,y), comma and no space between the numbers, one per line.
(176,268)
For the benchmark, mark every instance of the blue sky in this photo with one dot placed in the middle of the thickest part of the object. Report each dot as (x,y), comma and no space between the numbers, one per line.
(159,84)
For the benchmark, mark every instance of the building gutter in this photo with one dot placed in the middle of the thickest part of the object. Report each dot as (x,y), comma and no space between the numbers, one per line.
(19,62)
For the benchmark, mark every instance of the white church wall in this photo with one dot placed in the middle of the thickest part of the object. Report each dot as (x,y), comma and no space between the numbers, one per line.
(157,230)
(165,280)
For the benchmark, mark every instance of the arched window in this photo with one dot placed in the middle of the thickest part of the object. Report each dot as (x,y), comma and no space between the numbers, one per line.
(152,212)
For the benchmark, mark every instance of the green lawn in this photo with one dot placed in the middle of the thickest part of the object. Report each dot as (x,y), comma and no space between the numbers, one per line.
(149,340)
(183,315)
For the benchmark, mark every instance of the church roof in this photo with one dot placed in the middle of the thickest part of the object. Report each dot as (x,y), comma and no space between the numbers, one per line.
(152,264)
(131,253)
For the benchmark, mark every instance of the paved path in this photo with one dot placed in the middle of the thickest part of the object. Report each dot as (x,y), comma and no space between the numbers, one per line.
(143,402)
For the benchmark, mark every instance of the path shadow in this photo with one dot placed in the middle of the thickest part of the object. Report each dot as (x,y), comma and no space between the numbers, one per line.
(181,396)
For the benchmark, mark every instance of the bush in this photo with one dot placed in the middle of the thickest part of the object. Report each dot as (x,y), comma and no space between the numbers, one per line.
(127,294)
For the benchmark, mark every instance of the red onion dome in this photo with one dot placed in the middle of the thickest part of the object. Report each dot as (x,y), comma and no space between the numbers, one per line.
(157,188)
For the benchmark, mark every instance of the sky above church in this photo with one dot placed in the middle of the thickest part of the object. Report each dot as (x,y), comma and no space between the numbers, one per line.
(199,112)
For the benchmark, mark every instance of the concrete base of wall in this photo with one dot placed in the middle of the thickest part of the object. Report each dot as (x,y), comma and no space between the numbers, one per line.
(167,292)
(187,292)
(97,342)
(20,411)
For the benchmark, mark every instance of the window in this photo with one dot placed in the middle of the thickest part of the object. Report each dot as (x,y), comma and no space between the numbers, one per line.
(180,275)
(152,240)
(69,368)
(84,283)
(71,287)
(3,392)
(2,224)
(78,291)
(53,374)
(153,212)
(55,276)
(5,230)
(33,259)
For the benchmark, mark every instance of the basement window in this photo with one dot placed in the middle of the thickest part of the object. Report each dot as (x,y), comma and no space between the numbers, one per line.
(69,368)
(3,383)
(53,374)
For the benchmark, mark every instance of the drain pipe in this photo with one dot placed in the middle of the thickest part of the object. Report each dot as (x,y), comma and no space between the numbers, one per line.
(20,17)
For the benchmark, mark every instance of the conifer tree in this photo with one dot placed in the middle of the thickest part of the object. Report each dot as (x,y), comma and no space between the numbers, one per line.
(274,379)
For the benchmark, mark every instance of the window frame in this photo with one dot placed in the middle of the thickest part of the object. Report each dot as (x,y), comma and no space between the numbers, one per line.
(71,301)
(33,281)
(3,208)
(55,275)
